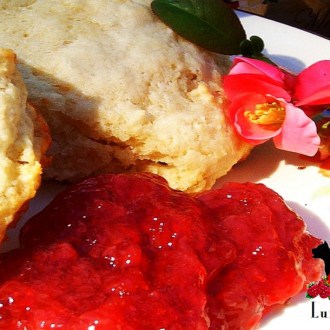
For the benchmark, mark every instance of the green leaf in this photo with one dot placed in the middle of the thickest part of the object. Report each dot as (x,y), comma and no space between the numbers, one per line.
(208,23)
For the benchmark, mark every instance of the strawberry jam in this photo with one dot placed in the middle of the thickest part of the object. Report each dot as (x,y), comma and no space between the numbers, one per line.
(127,252)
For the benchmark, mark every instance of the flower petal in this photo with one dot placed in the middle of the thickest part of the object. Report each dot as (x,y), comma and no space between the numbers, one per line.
(321,96)
(298,134)
(249,65)
(313,84)
(241,83)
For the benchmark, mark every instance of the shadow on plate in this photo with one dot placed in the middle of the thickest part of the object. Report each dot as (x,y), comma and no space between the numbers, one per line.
(289,63)
(263,161)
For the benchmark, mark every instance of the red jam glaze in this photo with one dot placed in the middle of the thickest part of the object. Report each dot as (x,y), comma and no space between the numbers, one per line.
(273,254)
(127,252)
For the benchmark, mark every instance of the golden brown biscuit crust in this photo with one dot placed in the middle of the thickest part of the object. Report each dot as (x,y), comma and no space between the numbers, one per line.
(24,140)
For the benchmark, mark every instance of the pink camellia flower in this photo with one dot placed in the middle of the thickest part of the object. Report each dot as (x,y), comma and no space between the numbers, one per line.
(261,108)
(259,118)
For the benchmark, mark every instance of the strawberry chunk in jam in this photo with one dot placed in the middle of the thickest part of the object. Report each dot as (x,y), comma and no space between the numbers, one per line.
(127,252)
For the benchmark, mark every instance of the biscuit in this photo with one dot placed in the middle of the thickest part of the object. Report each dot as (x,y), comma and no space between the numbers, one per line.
(122,92)
(24,139)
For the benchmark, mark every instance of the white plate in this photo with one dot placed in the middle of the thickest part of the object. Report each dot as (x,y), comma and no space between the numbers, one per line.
(306,190)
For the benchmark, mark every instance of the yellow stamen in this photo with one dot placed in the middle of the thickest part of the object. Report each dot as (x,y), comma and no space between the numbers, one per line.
(267,114)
